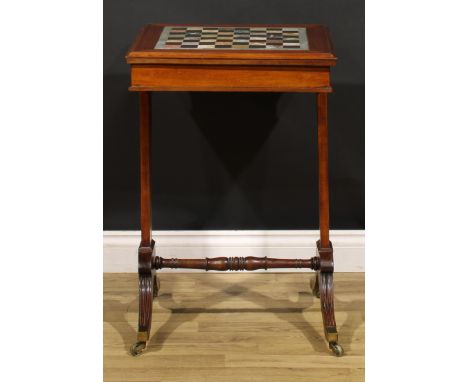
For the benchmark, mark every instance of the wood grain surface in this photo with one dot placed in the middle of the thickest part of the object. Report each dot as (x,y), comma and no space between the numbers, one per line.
(232,70)
(229,78)
(234,327)
(320,52)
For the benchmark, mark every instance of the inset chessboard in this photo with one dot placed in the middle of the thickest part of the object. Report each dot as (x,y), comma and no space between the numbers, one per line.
(237,38)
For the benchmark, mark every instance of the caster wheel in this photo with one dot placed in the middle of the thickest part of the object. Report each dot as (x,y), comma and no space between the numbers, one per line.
(137,348)
(336,348)
(155,286)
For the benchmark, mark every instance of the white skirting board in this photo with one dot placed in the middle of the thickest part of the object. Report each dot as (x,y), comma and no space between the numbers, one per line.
(120,247)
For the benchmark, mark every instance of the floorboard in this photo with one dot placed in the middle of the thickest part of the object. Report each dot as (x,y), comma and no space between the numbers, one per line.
(233,327)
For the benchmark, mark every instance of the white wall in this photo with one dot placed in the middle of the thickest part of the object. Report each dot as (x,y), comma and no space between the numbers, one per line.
(120,247)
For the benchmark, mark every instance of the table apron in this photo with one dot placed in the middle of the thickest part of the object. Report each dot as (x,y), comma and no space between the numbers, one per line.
(230,78)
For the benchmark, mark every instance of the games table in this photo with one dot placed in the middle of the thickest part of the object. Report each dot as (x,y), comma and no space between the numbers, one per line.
(232,58)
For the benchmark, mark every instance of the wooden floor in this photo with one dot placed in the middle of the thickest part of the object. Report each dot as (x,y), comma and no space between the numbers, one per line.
(233,327)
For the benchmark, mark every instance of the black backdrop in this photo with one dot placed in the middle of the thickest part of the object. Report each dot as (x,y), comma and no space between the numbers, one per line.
(234,160)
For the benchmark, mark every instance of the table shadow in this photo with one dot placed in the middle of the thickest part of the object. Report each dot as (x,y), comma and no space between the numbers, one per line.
(292,312)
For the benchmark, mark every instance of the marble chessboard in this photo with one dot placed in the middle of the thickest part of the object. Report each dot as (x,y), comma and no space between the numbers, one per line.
(233,38)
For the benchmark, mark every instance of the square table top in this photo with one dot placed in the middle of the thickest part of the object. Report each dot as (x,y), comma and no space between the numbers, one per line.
(289,44)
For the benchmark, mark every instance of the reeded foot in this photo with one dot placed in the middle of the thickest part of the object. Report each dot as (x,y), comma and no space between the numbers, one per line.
(336,348)
(137,348)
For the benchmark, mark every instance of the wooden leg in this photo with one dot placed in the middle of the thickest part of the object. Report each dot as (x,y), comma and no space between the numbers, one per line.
(145,169)
(322,123)
(156,285)
(315,286)
(146,275)
(328,312)
(325,275)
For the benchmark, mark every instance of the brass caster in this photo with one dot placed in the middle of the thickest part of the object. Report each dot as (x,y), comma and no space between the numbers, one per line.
(336,348)
(137,348)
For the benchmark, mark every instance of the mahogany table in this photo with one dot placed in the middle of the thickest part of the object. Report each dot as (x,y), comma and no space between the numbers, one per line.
(228,58)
